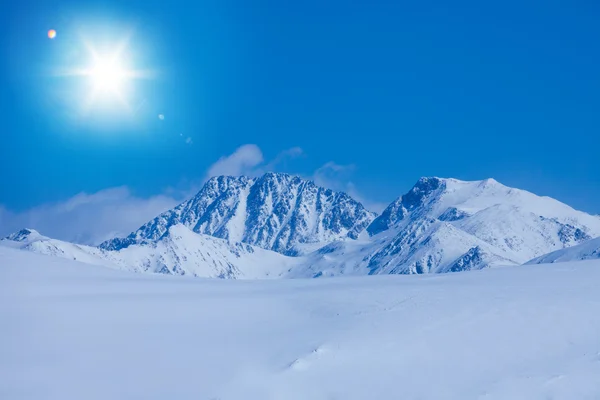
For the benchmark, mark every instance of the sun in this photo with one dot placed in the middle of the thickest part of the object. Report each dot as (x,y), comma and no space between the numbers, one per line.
(109,79)
(108,76)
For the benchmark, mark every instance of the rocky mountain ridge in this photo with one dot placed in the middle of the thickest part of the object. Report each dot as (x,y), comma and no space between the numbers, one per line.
(302,230)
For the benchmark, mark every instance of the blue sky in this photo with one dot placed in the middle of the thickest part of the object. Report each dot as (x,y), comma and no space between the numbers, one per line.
(365,96)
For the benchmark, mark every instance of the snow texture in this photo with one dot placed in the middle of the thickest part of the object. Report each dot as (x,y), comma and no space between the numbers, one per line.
(75,331)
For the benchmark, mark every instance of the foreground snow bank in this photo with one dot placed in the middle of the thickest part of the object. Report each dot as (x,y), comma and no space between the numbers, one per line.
(76,331)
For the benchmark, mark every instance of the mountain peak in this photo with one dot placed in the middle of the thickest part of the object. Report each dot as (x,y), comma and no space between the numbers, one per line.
(428,180)
(403,205)
(423,188)
(24,235)
(277,175)
(276,211)
(491,181)
(225,180)
(453,198)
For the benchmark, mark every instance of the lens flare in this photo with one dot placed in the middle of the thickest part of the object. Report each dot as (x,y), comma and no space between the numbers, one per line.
(51,34)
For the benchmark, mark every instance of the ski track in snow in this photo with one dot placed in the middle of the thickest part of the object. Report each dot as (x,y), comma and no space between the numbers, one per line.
(78,331)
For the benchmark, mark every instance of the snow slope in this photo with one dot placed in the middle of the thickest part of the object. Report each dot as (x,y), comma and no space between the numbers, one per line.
(588,250)
(33,241)
(278,212)
(75,331)
(179,252)
(447,225)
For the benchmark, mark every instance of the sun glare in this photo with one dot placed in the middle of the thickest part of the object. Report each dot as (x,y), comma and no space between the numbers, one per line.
(109,79)
(107,76)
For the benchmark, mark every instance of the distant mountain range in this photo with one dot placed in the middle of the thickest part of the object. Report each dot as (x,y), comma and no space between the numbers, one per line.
(280,225)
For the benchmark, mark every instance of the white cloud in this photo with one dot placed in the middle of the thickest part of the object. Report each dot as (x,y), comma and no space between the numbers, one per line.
(240,162)
(89,218)
(282,158)
(248,160)
(334,176)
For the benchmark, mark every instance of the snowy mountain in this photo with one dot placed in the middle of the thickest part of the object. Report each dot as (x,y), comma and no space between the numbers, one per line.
(277,212)
(178,252)
(481,223)
(282,226)
(447,225)
(31,240)
(588,250)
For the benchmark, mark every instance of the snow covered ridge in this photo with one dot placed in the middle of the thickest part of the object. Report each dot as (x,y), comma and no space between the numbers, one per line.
(279,226)
(588,250)
(179,252)
(447,225)
(276,212)
(444,225)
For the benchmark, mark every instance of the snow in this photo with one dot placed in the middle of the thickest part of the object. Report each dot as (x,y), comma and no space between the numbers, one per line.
(277,212)
(475,196)
(179,252)
(441,222)
(585,251)
(282,226)
(76,331)
(237,221)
